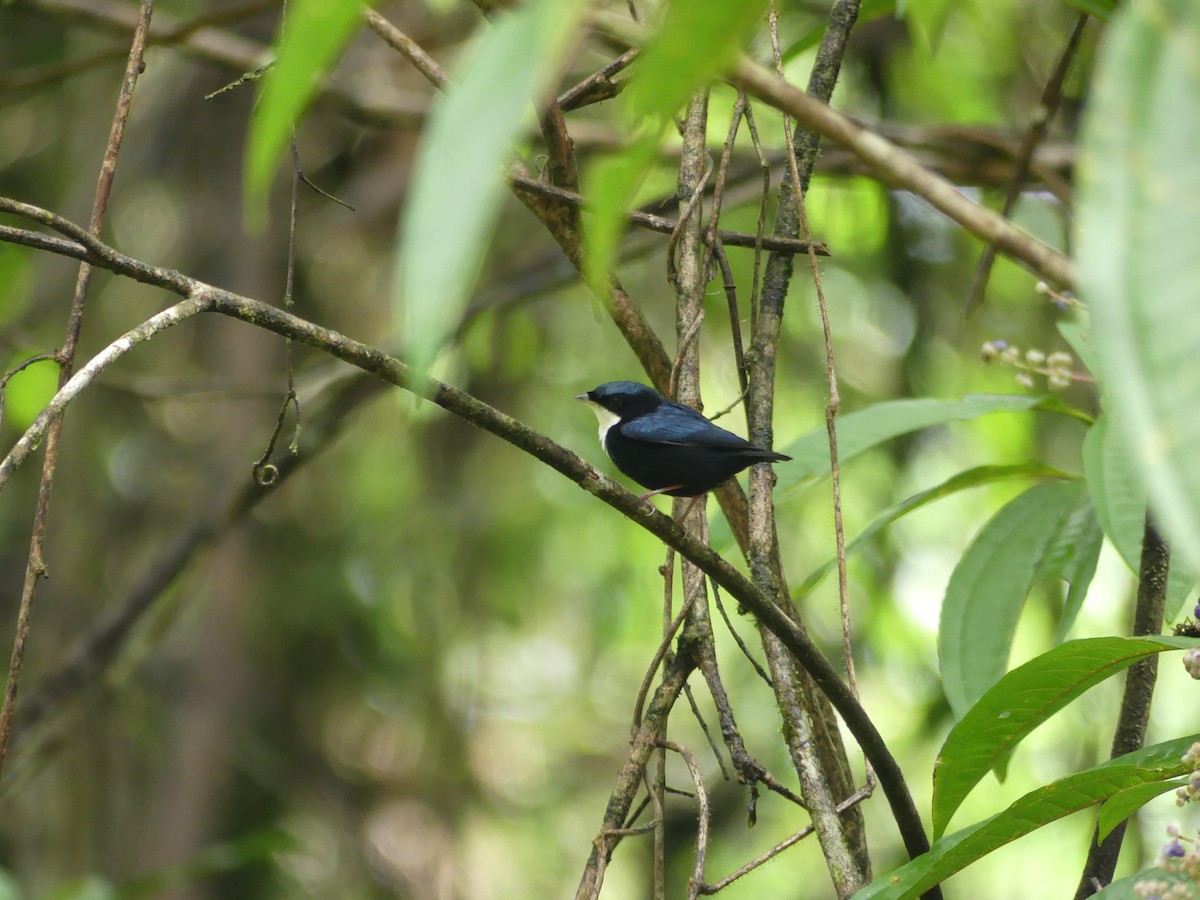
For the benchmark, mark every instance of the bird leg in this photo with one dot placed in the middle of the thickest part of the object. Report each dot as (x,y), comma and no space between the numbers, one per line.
(645,498)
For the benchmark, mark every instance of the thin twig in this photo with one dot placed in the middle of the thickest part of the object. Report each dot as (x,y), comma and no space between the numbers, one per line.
(735,323)
(737,638)
(791,841)
(1042,117)
(664,225)
(598,86)
(834,403)
(35,568)
(702,817)
(410,49)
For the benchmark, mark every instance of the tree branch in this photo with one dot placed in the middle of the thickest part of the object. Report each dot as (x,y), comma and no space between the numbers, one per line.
(1134,716)
(563,461)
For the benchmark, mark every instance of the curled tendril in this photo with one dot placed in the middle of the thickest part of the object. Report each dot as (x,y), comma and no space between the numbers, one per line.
(265,474)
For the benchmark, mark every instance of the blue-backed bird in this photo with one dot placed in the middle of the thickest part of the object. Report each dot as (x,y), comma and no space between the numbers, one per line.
(666,446)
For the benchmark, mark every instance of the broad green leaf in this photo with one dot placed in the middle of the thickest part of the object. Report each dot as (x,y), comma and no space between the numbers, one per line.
(1137,220)
(1120,504)
(988,589)
(1047,804)
(694,43)
(457,181)
(1119,807)
(960,482)
(314,35)
(1021,701)
(866,428)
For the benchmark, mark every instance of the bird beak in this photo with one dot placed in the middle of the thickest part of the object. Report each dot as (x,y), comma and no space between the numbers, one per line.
(583,397)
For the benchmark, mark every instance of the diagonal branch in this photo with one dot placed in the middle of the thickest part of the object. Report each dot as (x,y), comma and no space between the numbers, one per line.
(542,448)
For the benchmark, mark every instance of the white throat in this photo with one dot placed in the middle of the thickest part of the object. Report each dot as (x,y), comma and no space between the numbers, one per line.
(607,419)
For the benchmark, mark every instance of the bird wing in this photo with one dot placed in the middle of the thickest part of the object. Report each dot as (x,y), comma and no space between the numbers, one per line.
(673,423)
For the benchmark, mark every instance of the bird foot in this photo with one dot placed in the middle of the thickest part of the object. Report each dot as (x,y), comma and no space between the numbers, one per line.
(645,498)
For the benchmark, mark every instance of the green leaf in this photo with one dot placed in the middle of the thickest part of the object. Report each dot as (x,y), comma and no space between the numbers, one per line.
(1119,807)
(611,182)
(1137,220)
(1119,500)
(1099,9)
(314,35)
(988,588)
(866,428)
(457,181)
(962,481)
(1072,557)
(1047,804)
(695,42)
(1021,701)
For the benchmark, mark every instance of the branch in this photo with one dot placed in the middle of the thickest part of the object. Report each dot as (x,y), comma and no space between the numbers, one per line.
(888,162)
(1134,716)
(542,448)
(900,170)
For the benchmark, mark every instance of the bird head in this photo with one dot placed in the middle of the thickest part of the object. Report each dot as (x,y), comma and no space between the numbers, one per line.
(619,401)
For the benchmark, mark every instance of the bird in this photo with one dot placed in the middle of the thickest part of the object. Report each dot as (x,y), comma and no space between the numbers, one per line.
(666,446)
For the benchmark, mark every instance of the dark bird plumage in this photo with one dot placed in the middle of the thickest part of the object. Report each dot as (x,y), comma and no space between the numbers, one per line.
(665,446)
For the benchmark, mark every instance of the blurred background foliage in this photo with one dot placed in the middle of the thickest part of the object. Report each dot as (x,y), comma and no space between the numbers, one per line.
(408,670)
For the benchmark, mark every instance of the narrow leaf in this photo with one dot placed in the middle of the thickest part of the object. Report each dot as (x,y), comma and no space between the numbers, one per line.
(457,180)
(988,589)
(1119,807)
(866,428)
(1072,557)
(1021,701)
(1047,804)
(313,37)
(695,42)
(1139,271)
(1119,500)
(962,481)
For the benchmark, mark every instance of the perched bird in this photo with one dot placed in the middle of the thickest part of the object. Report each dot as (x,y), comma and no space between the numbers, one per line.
(665,446)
